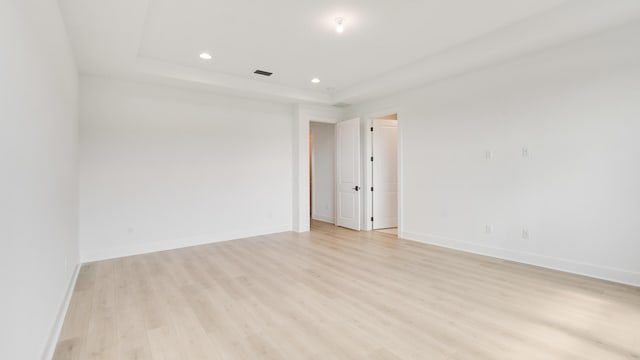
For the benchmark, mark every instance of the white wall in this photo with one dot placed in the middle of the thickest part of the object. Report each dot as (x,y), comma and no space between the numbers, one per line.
(162,168)
(323,171)
(576,108)
(38,137)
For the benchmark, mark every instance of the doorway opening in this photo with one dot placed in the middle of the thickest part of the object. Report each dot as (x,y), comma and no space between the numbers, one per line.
(322,171)
(383,173)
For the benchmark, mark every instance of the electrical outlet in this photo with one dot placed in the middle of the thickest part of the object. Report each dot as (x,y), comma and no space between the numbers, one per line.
(488,154)
(525,152)
(488,229)
(525,234)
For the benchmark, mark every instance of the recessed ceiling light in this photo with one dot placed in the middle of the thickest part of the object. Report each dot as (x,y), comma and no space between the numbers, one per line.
(339,25)
(315,80)
(205,56)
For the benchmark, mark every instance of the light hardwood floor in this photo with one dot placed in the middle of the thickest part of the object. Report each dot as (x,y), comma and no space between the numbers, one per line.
(339,294)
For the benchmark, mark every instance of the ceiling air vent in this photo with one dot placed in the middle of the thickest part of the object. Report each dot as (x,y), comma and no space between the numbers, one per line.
(341,105)
(263,73)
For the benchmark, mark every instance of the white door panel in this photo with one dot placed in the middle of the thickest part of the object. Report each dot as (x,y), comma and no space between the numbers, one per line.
(385,173)
(348,174)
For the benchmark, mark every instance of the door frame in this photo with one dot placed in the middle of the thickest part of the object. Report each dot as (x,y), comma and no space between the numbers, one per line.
(372,134)
(368,169)
(303,115)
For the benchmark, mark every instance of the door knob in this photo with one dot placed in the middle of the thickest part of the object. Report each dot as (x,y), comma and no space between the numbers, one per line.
(357,188)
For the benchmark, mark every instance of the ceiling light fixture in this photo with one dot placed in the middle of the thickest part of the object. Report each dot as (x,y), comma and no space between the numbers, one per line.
(205,56)
(340,25)
(315,80)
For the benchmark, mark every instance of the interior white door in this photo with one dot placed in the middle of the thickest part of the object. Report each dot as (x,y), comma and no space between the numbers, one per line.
(384,140)
(348,174)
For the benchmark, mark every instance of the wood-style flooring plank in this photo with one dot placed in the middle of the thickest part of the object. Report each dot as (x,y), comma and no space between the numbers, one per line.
(339,294)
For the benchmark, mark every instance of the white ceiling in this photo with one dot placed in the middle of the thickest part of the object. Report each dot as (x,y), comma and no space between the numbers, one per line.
(388,46)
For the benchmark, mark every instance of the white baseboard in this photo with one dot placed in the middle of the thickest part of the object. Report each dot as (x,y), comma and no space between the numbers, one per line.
(570,266)
(323,218)
(50,348)
(149,247)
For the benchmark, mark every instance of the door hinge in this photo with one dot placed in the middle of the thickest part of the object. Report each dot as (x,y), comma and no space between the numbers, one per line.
(372,158)
(372,128)
(372,218)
